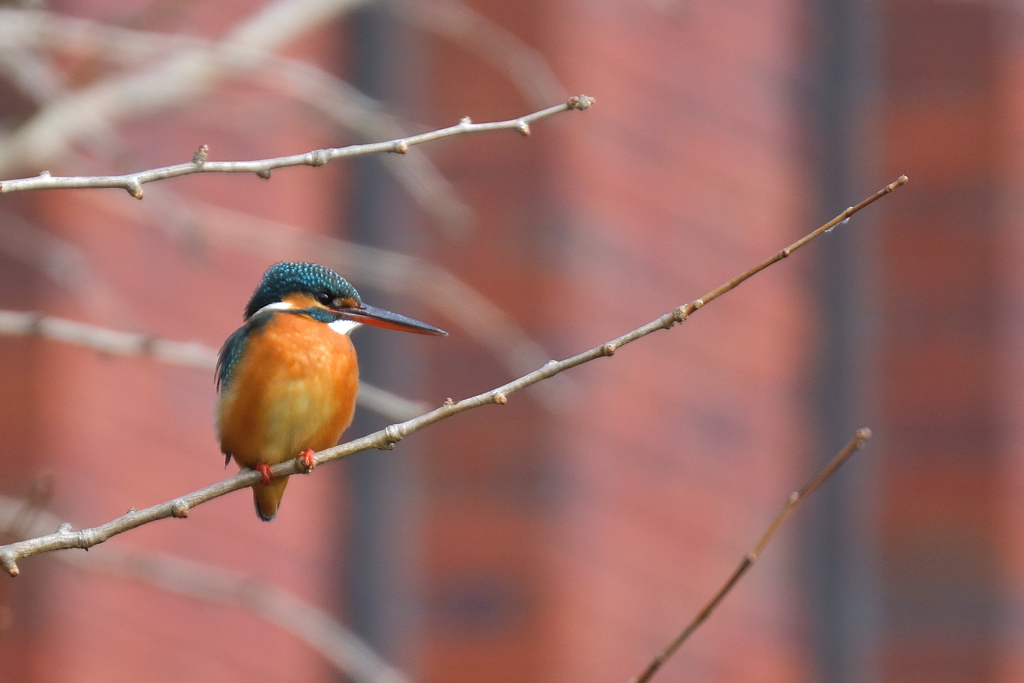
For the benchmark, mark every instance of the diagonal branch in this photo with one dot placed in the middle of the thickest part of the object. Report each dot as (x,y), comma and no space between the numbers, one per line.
(132,182)
(751,557)
(307,622)
(386,438)
(189,354)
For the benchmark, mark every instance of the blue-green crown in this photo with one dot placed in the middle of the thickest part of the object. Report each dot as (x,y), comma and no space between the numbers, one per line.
(290,277)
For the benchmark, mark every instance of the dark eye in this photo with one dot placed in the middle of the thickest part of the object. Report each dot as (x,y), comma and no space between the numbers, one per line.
(324,298)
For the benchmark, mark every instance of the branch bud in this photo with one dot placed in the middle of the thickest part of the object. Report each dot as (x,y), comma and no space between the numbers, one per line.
(8,564)
(199,158)
(179,508)
(580,102)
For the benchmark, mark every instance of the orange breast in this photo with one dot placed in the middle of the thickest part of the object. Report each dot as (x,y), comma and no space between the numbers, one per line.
(294,388)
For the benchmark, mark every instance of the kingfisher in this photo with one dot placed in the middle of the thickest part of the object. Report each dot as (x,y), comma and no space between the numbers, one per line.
(288,377)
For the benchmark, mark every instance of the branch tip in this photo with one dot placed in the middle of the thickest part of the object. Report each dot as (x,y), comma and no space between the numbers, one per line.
(262,167)
(581,102)
(386,438)
(751,556)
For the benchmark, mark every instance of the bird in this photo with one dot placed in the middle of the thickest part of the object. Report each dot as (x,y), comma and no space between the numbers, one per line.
(287,379)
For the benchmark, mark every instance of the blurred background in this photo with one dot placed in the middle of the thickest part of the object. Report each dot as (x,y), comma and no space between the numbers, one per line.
(570,534)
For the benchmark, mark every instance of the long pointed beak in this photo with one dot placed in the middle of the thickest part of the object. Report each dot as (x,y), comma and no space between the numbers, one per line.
(378,317)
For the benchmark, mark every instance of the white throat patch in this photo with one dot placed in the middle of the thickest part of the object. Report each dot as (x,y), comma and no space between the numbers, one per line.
(343,326)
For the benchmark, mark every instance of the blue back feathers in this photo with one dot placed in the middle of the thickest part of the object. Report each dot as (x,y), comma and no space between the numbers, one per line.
(281,279)
(233,348)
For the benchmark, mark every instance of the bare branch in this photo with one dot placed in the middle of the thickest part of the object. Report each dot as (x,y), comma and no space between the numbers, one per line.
(189,354)
(133,182)
(751,557)
(184,75)
(305,621)
(386,438)
(23,33)
(465,26)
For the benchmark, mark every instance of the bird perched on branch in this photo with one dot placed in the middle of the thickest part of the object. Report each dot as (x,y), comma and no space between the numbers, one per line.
(288,377)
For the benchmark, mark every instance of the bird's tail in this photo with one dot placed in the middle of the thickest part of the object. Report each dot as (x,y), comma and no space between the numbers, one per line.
(268,498)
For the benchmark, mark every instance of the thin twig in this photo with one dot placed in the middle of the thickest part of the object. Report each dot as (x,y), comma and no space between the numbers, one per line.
(386,438)
(307,622)
(132,182)
(751,557)
(463,25)
(185,75)
(20,520)
(24,32)
(189,354)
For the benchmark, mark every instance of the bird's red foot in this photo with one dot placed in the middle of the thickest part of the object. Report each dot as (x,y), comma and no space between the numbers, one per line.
(264,469)
(306,461)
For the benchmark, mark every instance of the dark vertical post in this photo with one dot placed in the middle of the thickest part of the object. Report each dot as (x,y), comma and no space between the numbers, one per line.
(843,589)
(381,551)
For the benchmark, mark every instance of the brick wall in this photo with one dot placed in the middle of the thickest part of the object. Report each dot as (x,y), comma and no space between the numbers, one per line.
(578,537)
(949,341)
